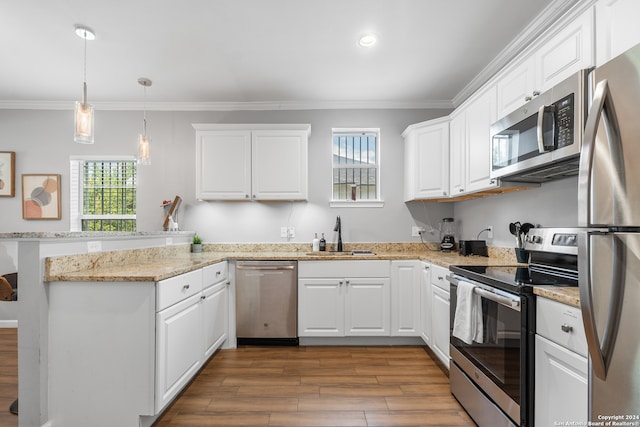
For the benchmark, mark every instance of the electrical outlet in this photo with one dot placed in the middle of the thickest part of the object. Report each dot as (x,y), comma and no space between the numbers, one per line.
(94,246)
(416,230)
(291,232)
(489,231)
(283,232)
(168,241)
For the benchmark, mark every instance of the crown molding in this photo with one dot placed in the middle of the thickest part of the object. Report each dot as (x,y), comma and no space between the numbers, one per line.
(552,14)
(230,106)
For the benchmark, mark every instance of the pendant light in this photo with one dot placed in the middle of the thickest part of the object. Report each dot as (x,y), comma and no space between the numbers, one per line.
(83,132)
(143,139)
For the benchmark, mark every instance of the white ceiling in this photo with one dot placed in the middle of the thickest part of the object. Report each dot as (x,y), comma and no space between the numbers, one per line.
(270,53)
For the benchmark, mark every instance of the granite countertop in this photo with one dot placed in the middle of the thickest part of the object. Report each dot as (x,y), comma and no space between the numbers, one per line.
(564,294)
(154,264)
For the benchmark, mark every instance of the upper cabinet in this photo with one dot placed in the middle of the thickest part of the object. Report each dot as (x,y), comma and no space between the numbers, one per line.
(554,59)
(426,160)
(252,162)
(617,28)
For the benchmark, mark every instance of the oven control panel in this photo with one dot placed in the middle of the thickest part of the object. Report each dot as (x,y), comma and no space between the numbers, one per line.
(558,240)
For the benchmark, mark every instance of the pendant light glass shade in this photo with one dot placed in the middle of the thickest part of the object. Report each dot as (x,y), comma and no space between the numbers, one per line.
(83,129)
(144,154)
(144,149)
(83,132)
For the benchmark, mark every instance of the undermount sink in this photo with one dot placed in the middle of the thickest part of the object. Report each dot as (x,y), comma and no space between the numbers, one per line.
(343,253)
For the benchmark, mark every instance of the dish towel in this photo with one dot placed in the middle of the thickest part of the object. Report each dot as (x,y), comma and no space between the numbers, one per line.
(467,321)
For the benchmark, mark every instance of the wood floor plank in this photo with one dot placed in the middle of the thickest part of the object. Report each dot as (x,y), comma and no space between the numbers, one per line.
(318,419)
(318,386)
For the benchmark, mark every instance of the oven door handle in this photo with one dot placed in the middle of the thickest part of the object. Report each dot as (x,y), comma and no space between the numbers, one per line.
(512,303)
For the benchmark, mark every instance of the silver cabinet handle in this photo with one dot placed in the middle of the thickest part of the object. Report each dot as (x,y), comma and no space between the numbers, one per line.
(186,286)
(340,282)
(228,282)
(218,273)
(528,98)
(347,282)
(566,328)
(536,92)
(203,297)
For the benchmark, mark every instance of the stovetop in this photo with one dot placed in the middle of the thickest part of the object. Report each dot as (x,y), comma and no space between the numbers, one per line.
(512,278)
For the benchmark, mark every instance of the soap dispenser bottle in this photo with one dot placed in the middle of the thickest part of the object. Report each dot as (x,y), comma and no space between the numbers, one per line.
(315,246)
(323,244)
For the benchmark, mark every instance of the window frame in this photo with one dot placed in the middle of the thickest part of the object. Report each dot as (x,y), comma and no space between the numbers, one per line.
(371,203)
(76,203)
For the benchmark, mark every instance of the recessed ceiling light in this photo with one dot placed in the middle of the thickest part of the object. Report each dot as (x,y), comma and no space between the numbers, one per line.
(85,32)
(367,40)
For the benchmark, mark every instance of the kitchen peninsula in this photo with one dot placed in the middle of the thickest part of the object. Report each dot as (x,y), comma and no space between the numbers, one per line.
(132,265)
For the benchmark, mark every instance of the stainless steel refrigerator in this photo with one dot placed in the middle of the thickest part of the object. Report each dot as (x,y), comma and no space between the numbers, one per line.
(609,246)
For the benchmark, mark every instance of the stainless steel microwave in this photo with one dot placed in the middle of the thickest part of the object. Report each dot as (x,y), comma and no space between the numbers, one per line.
(541,140)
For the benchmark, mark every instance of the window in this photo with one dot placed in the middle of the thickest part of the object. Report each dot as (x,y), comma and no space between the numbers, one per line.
(356,166)
(103,195)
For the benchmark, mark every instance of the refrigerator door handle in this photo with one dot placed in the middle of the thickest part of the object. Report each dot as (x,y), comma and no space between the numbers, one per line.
(601,352)
(601,108)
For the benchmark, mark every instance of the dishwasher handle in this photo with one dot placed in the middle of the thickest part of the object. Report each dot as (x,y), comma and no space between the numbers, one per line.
(265,267)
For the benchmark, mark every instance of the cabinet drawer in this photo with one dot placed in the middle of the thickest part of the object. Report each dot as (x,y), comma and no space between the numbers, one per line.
(561,324)
(439,277)
(214,273)
(346,268)
(175,289)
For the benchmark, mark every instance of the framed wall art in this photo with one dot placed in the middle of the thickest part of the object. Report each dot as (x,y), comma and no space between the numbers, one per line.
(7,174)
(40,196)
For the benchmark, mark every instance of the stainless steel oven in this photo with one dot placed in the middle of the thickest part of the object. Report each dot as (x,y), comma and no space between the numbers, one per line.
(492,375)
(496,364)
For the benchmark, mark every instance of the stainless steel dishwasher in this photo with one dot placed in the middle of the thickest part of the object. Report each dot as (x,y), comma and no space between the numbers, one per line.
(267,302)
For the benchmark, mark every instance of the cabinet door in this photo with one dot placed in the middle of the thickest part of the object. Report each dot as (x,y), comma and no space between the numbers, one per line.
(223,165)
(480,114)
(279,165)
(516,87)
(457,148)
(427,161)
(405,298)
(425,298)
(179,348)
(367,307)
(320,307)
(561,387)
(617,28)
(440,325)
(566,53)
(215,317)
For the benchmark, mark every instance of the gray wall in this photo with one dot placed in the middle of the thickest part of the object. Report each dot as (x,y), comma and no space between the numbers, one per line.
(43,143)
(554,204)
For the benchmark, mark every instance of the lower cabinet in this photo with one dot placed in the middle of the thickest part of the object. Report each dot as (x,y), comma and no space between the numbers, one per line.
(343,298)
(440,330)
(561,365)
(179,348)
(425,302)
(405,299)
(122,350)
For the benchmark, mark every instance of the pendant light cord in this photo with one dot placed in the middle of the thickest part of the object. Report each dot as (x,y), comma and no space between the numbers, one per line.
(84,85)
(144,111)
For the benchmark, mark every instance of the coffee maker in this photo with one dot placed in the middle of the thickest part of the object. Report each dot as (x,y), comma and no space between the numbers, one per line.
(447,231)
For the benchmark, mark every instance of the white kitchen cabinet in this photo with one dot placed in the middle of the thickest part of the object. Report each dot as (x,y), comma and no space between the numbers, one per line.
(215,307)
(179,352)
(561,366)
(252,162)
(458,156)
(405,298)
(425,302)
(554,58)
(141,342)
(617,28)
(343,298)
(426,160)
(480,114)
(440,316)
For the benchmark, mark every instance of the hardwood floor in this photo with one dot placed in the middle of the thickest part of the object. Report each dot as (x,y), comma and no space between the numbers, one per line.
(318,386)
(8,375)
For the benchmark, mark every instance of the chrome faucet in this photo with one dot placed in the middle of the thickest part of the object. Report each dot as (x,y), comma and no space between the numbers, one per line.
(338,228)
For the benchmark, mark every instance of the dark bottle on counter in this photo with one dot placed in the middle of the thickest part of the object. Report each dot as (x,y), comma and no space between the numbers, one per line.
(323,243)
